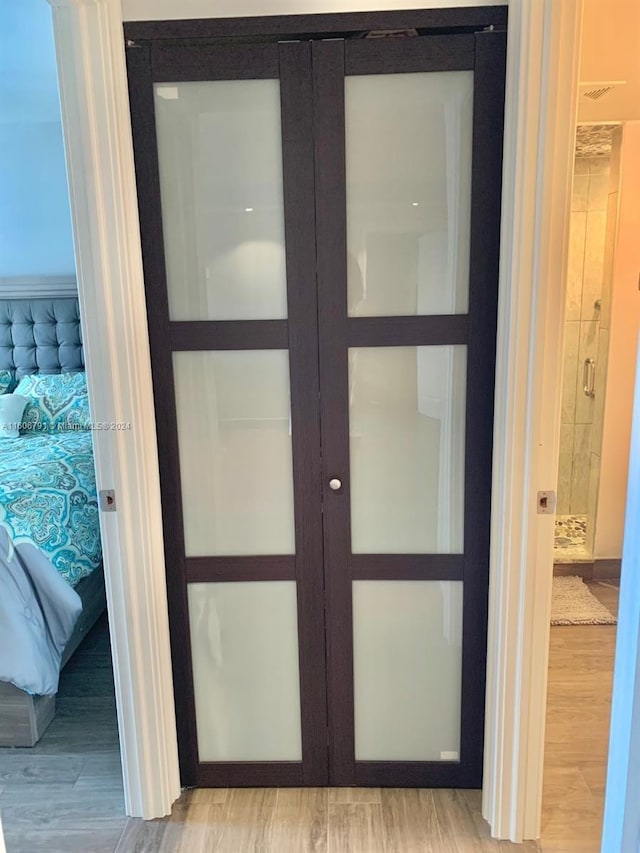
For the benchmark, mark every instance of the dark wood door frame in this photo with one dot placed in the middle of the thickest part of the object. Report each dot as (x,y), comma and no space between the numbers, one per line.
(317,26)
(154,56)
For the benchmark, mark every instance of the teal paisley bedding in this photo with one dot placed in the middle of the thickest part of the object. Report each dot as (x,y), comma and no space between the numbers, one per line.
(57,402)
(48,498)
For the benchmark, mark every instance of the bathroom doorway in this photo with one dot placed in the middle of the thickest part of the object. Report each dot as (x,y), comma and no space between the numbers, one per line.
(593,226)
(602,315)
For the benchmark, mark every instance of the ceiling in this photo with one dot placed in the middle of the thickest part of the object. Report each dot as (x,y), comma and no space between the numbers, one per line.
(611,52)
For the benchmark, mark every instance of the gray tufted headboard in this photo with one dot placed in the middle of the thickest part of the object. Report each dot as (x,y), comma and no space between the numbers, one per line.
(40,336)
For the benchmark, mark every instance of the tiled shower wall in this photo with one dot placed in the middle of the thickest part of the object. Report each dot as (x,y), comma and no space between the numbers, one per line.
(582,331)
(602,363)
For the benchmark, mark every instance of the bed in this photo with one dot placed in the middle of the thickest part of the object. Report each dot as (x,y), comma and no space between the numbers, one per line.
(51,579)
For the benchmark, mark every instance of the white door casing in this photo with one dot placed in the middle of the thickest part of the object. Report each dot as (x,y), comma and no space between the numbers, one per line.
(540,121)
(93,88)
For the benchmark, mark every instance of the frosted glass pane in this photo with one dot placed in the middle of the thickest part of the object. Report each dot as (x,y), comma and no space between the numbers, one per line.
(407,647)
(244,646)
(234,439)
(220,156)
(408,157)
(407,437)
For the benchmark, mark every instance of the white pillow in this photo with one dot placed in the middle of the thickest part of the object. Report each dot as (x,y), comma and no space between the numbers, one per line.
(11,408)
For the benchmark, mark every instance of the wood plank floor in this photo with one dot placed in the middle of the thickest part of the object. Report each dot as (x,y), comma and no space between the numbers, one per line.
(65,795)
(577,736)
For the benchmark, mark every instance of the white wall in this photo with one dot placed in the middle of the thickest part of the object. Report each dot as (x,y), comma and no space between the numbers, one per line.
(35,222)
(625,324)
(610,48)
(154,10)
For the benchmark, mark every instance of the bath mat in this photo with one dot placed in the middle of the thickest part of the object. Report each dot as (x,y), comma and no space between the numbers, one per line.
(573,604)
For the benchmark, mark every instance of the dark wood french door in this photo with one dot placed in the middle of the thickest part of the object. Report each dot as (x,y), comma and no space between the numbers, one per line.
(320,226)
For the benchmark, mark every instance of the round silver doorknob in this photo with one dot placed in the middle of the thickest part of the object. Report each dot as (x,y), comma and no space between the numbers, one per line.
(335,484)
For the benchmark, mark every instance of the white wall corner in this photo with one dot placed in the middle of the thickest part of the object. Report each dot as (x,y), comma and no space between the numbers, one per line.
(621,829)
(541,110)
(96,123)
